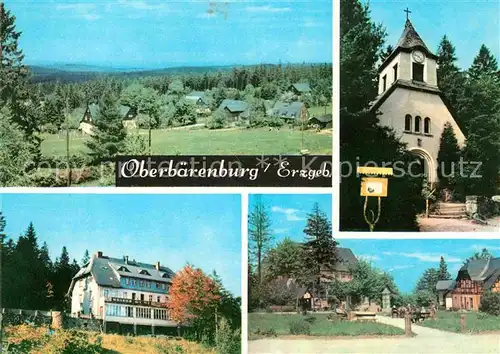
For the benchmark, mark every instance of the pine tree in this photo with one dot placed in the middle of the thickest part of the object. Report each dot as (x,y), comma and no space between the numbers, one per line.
(259,235)
(448,156)
(320,249)
(484,63)
(443,270)
(85,259)
(108,134)
(428,281)
(450,79)
(388,51)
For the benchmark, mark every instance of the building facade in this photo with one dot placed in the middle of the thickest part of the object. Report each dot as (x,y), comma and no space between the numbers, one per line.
(122,292)
(409,100)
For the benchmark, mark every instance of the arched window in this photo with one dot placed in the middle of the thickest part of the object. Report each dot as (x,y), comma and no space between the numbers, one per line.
(407,123)
(427,125)
(418,122)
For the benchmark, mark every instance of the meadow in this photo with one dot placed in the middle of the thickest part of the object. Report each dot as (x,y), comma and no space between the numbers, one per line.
(256,141)
(271,324)
(476,322)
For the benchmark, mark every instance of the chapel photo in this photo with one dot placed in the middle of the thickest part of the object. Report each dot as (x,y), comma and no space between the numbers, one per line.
(421,106)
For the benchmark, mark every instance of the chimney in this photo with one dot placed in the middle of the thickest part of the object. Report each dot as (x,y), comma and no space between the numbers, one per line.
(125,258)
(157,265)
(99,254)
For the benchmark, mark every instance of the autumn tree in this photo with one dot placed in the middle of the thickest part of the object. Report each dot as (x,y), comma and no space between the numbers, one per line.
(193,299)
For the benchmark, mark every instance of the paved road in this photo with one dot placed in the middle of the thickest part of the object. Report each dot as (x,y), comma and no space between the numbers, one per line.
(454,225)
(427,341)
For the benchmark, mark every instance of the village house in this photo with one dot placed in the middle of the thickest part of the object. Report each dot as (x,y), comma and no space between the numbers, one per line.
(235,109)
(300,88)
(445,289)
(291,111)
(473,279)
(122,293)
(128,114)
(410,102)
(321,122)
(201,100)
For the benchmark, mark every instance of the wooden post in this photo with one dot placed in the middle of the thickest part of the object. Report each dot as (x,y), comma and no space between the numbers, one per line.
(57,320)
(427,208)
(104,327)
(135,329)
(178,330)
(462,323)
(408,325)
(153,330)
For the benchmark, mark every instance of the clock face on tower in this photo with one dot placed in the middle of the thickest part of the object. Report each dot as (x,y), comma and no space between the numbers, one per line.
(418,56)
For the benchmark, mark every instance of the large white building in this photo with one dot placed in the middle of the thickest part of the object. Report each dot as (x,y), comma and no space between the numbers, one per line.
(122,292)
(410,102)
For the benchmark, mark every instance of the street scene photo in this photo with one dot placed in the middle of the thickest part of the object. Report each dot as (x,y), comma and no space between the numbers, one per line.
(419,113)
(111,273)
(86,81)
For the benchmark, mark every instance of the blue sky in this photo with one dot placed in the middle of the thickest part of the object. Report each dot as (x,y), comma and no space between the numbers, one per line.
(468,24)
(135,33)
(288,212)
(172,229)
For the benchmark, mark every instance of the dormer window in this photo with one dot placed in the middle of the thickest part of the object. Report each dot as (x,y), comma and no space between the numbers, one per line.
(164,275)
(395,72)
(123,269)
(384,83)
(144,272)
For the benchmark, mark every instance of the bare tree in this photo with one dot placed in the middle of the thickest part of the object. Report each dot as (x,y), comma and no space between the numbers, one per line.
(259,235)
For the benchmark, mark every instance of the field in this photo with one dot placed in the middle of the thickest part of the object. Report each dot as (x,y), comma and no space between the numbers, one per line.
(211,142)
(476,322)
(279,324)
(315,111)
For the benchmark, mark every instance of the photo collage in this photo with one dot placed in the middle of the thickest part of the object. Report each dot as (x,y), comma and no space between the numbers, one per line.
(249,176)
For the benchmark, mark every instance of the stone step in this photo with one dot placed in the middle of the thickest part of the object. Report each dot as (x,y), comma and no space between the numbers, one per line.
(435,216)
(450,212)
(451,206)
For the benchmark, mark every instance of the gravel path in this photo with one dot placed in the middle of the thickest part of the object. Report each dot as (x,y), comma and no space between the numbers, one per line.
(427,341)
(453,225)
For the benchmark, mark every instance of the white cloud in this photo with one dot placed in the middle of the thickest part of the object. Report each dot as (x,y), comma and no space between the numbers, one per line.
(368,257)
(424,257)
(82,10)
(477,247)
(280,231)
(398,267)
(142,5)
(268,9)
(291,214)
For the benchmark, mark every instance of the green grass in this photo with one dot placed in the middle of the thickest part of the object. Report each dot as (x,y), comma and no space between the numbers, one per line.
(211,142)
(280,324)
(476,322)
(315,111)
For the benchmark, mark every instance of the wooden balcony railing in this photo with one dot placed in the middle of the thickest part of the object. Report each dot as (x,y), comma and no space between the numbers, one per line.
(120,300)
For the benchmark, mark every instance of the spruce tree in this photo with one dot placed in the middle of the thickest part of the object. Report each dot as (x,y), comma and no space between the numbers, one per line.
(108,134)
(443,270)
(86,258)
(450,79)
(320,248)
(259,235)
(448,157)
(484,63)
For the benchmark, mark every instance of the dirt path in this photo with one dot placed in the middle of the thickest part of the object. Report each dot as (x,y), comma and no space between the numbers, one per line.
(426,341)
(453,225)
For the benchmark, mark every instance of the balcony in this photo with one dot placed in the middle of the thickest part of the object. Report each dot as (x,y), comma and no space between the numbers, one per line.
(120,300)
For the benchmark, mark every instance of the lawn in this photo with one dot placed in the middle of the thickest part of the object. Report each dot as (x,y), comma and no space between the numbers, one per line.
(316,111)
(211,142)
(475,322)
(279,324)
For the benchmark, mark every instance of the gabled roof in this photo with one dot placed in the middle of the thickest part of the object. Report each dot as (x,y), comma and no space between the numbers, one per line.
(346,259)
(326,118)
(445,285)
(486,270)
(106,271)
(122,109)
(234,106)
(288,110)
(302,87)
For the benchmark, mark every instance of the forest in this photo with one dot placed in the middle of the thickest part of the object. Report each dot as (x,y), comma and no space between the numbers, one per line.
(474,94)
(41,110)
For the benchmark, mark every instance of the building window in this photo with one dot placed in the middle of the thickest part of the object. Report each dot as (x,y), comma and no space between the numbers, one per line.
(427,125)
(127,281)
(150,298)
(106,292)
(418,72)
(384,83)
(124,294)
(408,123)
(164,286)
(158,299)
(132,282)
(141,283)
(158,286)
(395,71)
(418,121)
(142,312)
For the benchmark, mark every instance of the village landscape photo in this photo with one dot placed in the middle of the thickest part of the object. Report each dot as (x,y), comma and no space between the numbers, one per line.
(420,101)
(85,81)
(110,273)
(311,292)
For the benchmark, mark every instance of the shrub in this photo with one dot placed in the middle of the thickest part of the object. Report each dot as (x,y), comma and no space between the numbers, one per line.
(74,342)
(49,128)
(310,319)
(490,303)
(227,341)
(135,144)
(257,122)
(274,122)
(299,326)
(218,120)
(169,348)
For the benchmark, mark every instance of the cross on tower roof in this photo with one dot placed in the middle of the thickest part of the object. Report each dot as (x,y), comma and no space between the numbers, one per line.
(407,13)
